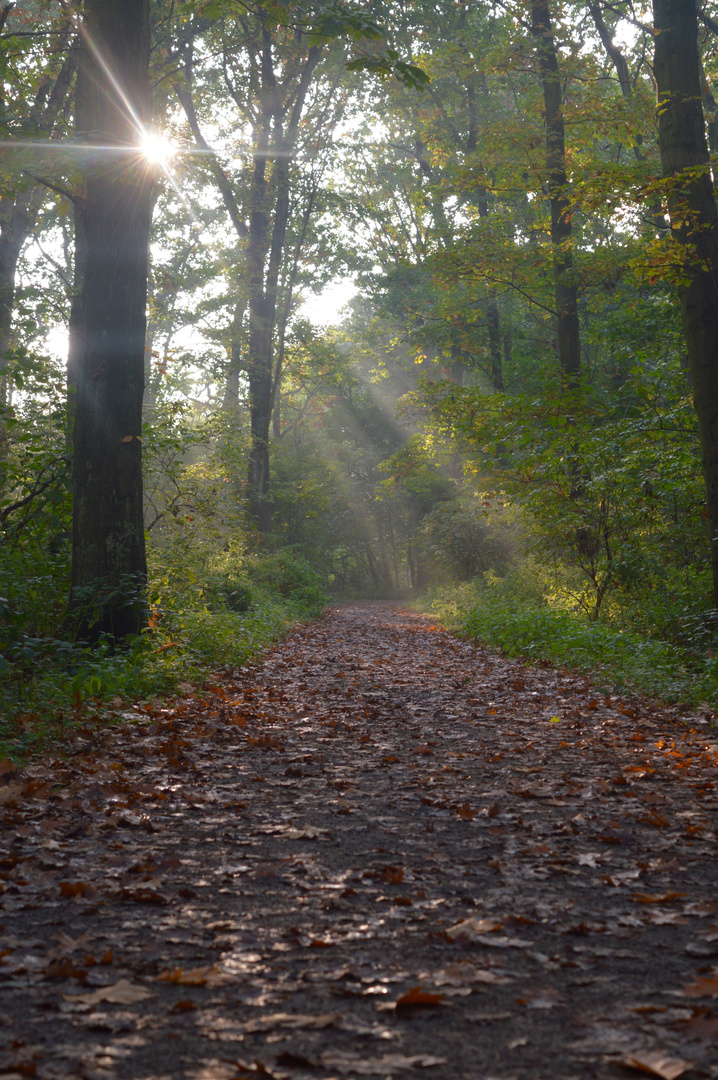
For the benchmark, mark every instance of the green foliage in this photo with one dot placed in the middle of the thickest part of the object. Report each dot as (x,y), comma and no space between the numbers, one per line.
(512,615)
(469,536)
(238,609)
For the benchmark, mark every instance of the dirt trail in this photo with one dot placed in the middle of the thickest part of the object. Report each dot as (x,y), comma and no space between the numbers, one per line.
(379,852)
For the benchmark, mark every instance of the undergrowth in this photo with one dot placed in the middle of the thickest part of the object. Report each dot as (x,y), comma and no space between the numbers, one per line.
(512,614)
(202,618)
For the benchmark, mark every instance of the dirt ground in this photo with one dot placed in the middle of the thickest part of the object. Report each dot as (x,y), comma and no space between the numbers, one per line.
(379,852)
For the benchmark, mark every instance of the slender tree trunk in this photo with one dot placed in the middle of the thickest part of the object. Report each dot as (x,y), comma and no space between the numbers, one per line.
(694,224)
(275,129)
(564,275)
(18,215)
(108,561)
(231,386)
(493,317)
(264,260)
(74,337)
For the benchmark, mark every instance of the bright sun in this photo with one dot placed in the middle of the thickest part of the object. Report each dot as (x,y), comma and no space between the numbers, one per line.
(157,149)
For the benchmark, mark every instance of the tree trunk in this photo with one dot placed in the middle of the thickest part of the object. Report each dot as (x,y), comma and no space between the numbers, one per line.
(275,129)
(108,560)
(18,215)
(694,224)
(236,364)
(564,275)
(264,260)
(74,337)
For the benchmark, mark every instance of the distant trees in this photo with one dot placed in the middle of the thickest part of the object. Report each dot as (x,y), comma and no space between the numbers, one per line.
(517,339)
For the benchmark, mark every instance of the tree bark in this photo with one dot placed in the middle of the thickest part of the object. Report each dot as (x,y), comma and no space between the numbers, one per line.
(694,224)
(264,260)
(108,560)
(564,275)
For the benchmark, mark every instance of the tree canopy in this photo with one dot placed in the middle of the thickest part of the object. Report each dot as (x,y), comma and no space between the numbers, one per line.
(523,387)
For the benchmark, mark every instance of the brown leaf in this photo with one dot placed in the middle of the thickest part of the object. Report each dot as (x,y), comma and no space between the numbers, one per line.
(703,1027)
(469,929)
(10,793)
(123,992)
(656,1063)
(702,987)
(209,975)
(306,832)
(658,898)
(385,1065)
(545,998)
(392,875)
(416,998)
(75,888)
(292,1021)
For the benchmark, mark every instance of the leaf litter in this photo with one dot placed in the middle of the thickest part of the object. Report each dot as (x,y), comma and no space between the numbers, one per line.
(350,858)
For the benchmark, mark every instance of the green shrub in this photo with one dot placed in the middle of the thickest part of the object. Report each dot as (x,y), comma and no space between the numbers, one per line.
(521,623)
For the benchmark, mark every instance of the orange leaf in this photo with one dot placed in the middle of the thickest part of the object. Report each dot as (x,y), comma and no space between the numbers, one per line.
(658,898)
(200,976)
(74,888)
(392,875)
(183,1005)
(418,998)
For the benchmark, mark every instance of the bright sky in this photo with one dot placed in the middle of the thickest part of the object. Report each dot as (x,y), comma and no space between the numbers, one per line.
(327,309)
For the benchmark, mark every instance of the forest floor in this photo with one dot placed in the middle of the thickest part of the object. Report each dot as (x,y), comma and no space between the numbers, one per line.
(379,852)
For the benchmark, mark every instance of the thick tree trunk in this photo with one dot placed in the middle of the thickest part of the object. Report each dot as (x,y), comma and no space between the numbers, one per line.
(564,276)
(108,560)
(694,223)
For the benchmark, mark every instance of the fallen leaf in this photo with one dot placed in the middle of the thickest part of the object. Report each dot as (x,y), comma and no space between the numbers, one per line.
(378,1066)
(10,793)
(658,898)
(470,928)
(306,832)
(702,987)
(416,998)
(292,1021)
(75,888)
(200,976)
(546,998)
(656,1063)
(123,992)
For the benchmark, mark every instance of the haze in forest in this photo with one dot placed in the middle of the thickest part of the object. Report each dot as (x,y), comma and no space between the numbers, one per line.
(514,415)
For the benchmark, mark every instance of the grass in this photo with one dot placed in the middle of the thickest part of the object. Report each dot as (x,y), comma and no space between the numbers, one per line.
(520,624)
(58,687)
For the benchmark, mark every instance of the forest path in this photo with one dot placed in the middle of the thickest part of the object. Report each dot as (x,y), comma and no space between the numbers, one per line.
(379,851)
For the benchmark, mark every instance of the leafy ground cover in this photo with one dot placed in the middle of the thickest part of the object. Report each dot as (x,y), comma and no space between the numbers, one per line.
(378,851)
